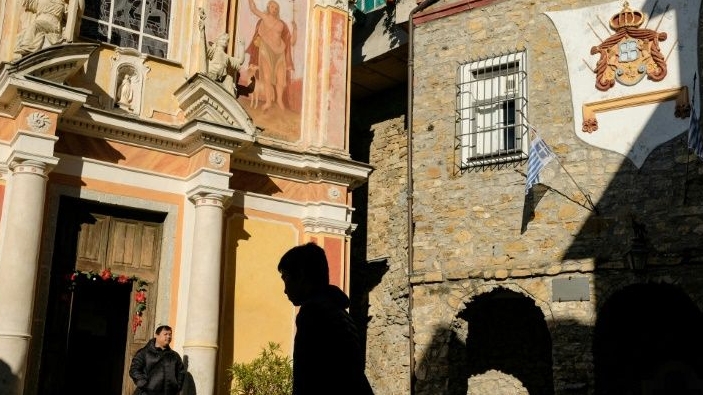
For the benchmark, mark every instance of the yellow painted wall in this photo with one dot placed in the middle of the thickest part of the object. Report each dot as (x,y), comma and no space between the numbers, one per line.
(255,309)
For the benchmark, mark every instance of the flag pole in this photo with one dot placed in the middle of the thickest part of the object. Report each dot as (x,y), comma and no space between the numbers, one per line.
(587,196)
(688,137)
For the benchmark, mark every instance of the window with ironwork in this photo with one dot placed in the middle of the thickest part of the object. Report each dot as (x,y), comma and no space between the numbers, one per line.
(491,108)
(142,25)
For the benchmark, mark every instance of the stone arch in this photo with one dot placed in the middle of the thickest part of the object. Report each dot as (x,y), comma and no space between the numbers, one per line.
(482,289)
(494,382)
(686,281)
(502,330)
(647,340)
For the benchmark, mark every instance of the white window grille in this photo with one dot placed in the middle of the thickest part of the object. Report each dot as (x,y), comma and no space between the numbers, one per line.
(139,24)
(491,108)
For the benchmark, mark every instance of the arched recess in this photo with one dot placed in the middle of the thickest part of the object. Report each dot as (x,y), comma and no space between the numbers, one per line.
(502,331)
(648,340)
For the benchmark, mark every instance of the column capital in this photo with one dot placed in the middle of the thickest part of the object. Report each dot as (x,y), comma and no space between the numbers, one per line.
(209,199)
(29,166)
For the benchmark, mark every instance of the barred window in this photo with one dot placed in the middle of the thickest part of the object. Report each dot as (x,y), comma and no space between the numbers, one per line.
(491,108)
(142,25)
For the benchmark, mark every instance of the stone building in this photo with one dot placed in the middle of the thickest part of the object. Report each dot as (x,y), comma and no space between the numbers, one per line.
(588,283)
(154,166)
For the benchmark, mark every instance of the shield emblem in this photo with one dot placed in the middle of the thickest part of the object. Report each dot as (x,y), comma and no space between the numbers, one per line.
(629,81)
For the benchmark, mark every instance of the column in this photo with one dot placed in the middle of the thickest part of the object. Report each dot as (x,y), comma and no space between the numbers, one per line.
(19,256)
(200,345)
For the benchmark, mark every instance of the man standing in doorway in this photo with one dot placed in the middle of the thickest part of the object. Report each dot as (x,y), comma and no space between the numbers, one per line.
(156,369)
(327,354)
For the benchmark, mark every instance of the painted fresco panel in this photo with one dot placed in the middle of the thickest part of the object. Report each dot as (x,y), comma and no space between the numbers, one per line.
(217,17)
(336,99)
(271,78)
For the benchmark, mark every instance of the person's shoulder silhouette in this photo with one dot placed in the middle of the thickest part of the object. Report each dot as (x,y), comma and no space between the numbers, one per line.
(327,354)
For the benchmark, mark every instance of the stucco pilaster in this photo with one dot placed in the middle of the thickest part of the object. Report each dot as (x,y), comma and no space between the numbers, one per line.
(200,345)
(19,252)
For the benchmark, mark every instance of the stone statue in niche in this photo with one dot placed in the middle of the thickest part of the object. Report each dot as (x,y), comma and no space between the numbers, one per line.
(219,65)
(125,93)
(43,25)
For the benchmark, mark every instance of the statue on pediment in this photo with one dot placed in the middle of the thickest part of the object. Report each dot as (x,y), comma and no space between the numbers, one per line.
(219,65)
(44,23)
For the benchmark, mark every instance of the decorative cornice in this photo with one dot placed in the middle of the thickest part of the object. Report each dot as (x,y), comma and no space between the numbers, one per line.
(302,166)
(43,99)
(186,139)
(200,98)
(328,225)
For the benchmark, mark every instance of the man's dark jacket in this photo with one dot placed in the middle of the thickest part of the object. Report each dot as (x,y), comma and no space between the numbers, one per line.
(157,371)
(327,355)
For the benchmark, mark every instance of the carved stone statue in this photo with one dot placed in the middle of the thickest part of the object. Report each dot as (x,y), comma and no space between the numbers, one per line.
(43,25)
(219,66)
(125,93)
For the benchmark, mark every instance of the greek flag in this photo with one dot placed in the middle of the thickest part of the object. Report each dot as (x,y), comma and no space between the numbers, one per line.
(539,156)
(695,142)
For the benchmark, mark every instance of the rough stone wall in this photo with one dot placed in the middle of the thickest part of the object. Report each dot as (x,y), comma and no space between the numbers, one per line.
(469,227)
(469,237)
(378,137)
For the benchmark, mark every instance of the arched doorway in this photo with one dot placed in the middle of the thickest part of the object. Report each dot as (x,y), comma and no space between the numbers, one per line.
(649,340)
(507,333)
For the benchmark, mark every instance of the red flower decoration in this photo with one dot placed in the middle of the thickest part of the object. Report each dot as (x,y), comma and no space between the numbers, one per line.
(140,297)
(136,321)
(106,274)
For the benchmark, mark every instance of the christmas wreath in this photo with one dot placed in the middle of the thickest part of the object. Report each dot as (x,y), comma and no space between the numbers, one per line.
(107,275)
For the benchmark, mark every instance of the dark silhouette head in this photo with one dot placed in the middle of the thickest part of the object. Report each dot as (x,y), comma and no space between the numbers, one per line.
(304,271)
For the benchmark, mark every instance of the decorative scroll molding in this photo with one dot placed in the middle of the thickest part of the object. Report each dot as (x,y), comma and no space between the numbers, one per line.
(683,107)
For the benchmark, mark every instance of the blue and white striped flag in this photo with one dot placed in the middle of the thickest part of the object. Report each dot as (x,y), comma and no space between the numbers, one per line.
(539,156)
(695,142)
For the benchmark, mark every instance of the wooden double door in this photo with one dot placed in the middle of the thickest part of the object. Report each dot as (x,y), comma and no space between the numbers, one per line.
(89,332)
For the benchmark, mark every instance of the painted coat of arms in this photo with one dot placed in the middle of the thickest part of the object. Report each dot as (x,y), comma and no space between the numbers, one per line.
(629,54)
(630,88)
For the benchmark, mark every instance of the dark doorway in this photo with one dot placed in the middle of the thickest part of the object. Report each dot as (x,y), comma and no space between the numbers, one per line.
(87,338)
(96,344)
(507,333)
(648,341)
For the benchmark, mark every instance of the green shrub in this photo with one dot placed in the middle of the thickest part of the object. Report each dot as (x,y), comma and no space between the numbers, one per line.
(269,374)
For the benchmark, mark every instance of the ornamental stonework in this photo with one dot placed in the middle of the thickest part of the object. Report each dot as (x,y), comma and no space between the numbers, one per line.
(631,53)
(217,159)
(38,122)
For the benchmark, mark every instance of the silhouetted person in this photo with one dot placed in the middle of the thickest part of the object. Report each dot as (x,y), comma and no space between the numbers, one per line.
(156,369)
(327,355)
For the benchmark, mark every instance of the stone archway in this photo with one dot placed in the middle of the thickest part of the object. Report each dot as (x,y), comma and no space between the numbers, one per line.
(494,382)
(645,335)
(503,331)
